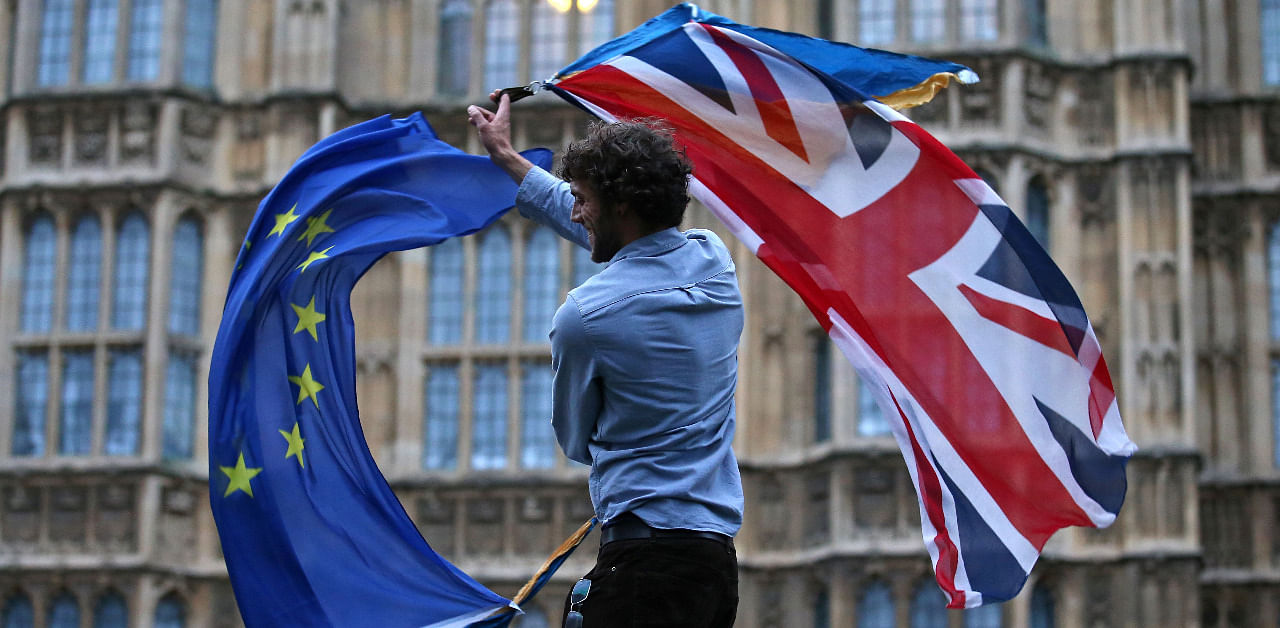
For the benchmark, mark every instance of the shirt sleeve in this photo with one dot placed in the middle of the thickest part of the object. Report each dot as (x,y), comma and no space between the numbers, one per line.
(546,199)
(576,397)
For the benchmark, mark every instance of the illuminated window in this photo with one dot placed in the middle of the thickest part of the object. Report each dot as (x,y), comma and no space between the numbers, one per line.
(146,25)
(595,27)
(489,418)
(445,319)
(129,304)
(179,407)
(537,447)
(441,424)
(198,42)
(75,429)
(455,47)
(84,278)
(541,283)
(928,21)
(493,287)
(32,404)
(124,403)
(39,269)
(185,281)
(980,20)
(548,40)
(502,44)
(876,606)
(100,41)
(876,21)
(55,42)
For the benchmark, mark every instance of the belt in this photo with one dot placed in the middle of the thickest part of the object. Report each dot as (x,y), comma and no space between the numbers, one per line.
(629,527)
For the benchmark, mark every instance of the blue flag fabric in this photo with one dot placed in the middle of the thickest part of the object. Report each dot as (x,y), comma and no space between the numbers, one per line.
(311,532)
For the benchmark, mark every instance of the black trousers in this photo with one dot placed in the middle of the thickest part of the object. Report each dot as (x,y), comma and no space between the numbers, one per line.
(669,582)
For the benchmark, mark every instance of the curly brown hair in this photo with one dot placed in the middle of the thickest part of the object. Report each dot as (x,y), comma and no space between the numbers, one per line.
(636,162)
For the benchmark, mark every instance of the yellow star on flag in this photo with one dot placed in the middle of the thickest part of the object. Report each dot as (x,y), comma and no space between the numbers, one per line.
(314,256)
(308,318)
(307,387)
(316,226)
(283,220)
(239,477)
(295,444)
(247,244)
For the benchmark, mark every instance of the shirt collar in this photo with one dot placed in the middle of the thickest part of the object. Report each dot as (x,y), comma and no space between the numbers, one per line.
(655,243)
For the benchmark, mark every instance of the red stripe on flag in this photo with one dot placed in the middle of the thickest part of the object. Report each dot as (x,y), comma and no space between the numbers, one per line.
(1101,395)
(1045,331)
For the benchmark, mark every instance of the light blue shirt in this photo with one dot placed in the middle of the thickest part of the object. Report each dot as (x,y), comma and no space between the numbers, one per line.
(646,362)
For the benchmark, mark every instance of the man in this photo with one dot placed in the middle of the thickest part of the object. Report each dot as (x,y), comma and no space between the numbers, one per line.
(645,359)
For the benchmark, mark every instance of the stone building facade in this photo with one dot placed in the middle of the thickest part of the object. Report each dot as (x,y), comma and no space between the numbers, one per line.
(1139,139)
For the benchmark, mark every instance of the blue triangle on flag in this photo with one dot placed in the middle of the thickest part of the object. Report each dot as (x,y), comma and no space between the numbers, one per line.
(677,55)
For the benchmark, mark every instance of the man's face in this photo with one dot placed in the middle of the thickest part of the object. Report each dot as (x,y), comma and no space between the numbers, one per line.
(600,222)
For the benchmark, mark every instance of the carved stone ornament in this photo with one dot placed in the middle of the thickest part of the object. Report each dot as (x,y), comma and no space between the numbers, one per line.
(1271,135)
(249,126)
(1038,92)
(44,126)
(179,501)
(197,125)
(138,132)
(1094,112)
(980,102)
(1097,206)
(91,135)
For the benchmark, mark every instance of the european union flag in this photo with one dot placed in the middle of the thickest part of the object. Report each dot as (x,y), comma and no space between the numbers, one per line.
(311,532)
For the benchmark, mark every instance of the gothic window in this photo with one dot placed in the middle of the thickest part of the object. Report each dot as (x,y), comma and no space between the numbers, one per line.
(185,283)
(980,20)
(489,418)
(1275,408)
(110,612)
(64,612)
(871,419)
(541,283)
(32,404)
(18,612)
(56,26)
(875,608)
(548,41)
(502,43)
(493,287)
(455,47)
(928,608)
(38,272)
(1273,277)
(595,26)
(821,351)
(445,322)
(124,402)
(537,447)
(146,25)
(441,424)
(928,21)
(1037,22)
(1271,42)
(76,425)
(100,41)
(199,30)
(129,305)
(171,612)
(1038,210)
(179,406)
(583,267)
(822,609)
(985,616)
(85,275)
(1041,607)
(876,21)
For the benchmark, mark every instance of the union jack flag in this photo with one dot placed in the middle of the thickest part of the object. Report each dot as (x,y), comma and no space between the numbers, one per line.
(931,287)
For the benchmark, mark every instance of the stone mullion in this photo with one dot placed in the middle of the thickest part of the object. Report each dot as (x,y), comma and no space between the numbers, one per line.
(466,365)
(1257,402)
(410,372)
(11,249)
(155,343)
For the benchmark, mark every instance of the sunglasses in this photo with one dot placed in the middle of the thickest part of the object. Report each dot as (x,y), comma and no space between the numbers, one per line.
(576,596)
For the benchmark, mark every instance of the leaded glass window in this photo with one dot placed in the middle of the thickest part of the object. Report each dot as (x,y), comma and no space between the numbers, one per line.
(493,288)
(541,283)
(18,612)
(146,25)
(928,21)
(583,267)
(56,25)
(1038,211)
(821,345)
(455,47)
(124,402)
(980,20)
(171,612)
(32,404)
(38,273)
(199,31)
(129,304)
(871,419)
(595,27)
(489,418)
(84,278)
(537,449)
(928,608)
(876,21)
(64,612)
(184,283)
(100,41)
(444,325)
(875,608)
(441,423)
(502,43)
(985,616)
(75,430)
(110,612)
(179,407)
(548,41)
(1042,607)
